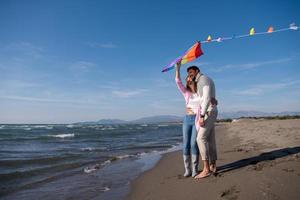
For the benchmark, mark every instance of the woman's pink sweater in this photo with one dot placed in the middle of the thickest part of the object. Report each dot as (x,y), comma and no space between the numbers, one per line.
(187,94)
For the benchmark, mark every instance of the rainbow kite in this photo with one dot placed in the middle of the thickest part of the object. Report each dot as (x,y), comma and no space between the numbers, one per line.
(195,51)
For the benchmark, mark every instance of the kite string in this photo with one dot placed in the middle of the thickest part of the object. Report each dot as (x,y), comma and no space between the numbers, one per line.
(245,35)
(292,26)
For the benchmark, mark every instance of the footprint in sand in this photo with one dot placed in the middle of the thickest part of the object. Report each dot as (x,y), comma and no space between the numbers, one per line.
(231,193)
(261,165)
(180,176)
(297,156)
(257,167)
(288,170)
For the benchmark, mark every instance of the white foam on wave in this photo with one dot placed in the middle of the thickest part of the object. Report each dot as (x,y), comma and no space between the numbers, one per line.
(39,126)
(105,189)
(20,126)
(97,127)
(63,135)
(141,154)
(162,125)
(91,168)
(124,156)
(95,167)
(107,128)
(175,147)
(149,159)
(106,162)
(87,149)
(70,125)
(93,148)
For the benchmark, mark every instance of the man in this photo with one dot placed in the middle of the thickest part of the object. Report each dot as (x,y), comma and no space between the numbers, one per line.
(206,133)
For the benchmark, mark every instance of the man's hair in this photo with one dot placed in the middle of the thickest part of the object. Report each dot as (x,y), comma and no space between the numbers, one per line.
(194,68)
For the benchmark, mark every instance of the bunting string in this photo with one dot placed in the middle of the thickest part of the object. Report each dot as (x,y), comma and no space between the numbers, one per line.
(195,51)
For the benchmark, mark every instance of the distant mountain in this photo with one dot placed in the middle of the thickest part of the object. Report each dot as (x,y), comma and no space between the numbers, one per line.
(105,121)
(239,114)
(172,118)
(144,120)
(111,121)
(158,119)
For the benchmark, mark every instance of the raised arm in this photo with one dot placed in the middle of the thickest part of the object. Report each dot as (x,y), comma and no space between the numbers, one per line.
(180,86)
(177,74)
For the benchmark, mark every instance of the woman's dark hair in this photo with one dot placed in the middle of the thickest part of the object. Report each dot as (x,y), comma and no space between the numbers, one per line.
(188,85)
(194,68)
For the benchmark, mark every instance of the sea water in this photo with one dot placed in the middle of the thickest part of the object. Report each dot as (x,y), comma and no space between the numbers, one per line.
(79,161)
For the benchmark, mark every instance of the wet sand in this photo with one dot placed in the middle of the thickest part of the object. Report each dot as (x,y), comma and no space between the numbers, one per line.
(258,159)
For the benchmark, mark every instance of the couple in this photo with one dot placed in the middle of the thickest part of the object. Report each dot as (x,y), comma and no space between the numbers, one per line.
(198,124)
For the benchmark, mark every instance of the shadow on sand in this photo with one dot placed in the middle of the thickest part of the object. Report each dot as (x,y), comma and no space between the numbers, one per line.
(272,155)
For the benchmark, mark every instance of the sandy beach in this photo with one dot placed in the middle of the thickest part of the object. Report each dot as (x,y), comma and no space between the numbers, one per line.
(258,159)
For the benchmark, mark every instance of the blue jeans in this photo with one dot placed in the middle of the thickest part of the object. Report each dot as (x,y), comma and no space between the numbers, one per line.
(189,136)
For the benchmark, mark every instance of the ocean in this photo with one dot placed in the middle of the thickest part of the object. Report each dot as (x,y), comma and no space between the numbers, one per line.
(53,161)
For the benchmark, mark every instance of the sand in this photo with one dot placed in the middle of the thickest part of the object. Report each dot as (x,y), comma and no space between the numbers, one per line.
(258,159)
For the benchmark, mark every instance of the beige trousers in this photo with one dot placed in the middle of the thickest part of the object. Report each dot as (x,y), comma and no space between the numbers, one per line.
(206,138)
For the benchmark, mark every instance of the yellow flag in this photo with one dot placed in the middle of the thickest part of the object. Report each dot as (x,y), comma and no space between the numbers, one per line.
(209,38)
(252,31)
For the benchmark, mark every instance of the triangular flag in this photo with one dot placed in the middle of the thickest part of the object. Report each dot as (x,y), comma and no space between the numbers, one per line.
(271,29)
(293,26)
(209,38)
(252,31)
(194,52)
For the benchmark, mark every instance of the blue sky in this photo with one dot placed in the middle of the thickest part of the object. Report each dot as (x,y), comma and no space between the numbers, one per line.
(69,61)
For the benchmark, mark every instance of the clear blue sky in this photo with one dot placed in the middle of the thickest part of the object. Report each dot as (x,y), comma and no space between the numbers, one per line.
(68,61)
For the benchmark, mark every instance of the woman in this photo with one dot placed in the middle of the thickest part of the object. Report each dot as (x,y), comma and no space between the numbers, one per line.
(192,100)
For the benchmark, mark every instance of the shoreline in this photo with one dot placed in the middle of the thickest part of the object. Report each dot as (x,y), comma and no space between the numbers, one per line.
(258,159)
